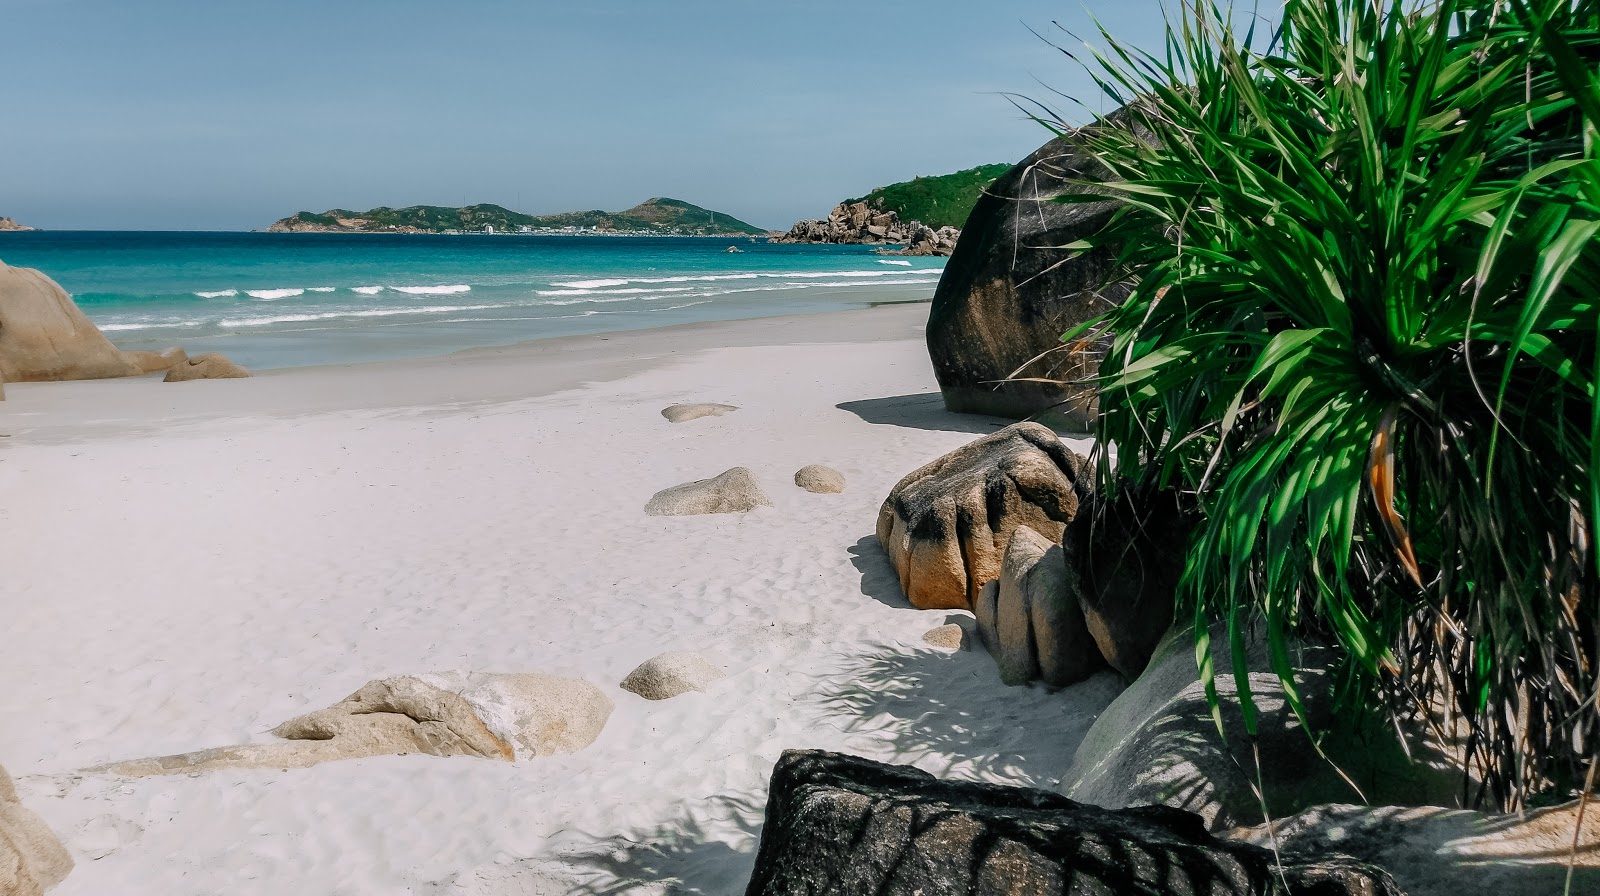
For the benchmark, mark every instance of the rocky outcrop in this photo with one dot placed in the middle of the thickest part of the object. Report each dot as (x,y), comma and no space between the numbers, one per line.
(682,413)
(45,337)
(10,225)
(1029,618)
(209,366)
(1014,285)
(32,859)
(1157,744)
(671,674)
(734,491)
(858,222)
(946,524)
(839,824)
(488,716)
(819,479)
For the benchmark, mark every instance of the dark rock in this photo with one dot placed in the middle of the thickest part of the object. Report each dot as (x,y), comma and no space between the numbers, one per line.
(839,824)
(1012,289)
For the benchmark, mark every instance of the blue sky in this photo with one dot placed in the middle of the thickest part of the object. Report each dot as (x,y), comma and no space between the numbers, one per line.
(225,115)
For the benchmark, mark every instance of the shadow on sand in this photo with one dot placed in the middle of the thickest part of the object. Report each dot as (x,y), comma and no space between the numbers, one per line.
(878,578)
(925,410)
(685,856)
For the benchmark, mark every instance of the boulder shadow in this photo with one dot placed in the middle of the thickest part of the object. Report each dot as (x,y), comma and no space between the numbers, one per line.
(686,856)
(924,410)
(879,581)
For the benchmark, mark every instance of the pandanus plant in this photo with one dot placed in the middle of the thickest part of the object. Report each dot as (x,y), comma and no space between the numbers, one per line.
(1362,336)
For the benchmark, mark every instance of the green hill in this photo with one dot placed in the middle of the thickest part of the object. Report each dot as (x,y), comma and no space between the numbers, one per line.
(938,201)
(665,216)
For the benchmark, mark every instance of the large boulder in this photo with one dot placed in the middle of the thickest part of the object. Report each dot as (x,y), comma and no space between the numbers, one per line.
(1029,618)
(1157,744)
(1013,286)
(45,337)
(946,524)
(209,366)
(32,860)
(839,824)
(734,491)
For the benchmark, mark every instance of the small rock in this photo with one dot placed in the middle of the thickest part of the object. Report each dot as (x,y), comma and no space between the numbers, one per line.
(949,636)
(671,674)
(682,413)
(819,479)
(735,491)
(209,366)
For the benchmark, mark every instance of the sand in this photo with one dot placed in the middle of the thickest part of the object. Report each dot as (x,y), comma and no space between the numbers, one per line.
(187,565)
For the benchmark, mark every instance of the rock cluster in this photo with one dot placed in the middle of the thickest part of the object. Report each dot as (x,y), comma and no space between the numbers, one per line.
(32,860)
(858,222)
(839,824)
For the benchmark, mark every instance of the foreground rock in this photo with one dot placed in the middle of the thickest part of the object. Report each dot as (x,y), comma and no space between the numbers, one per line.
(1156,744)
(32,860)
(681,413)
(819,480)
(1013,287)
(1451,852)
(209,366)
(946,524)
(1029,618)
(842,825)
(44,337)
(504,717)
(670,674)
(734,491)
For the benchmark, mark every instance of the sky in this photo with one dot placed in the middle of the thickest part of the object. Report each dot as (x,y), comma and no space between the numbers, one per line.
(226,115)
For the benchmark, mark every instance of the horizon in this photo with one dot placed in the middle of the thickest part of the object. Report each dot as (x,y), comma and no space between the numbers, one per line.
(175,115)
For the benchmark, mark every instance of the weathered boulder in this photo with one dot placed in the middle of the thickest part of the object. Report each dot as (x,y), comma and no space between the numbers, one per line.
(1013,286)
(819,479)
(946,524)
(1157,744)
(680,413)
(209,366)
(734,491)
(839,824)
(32,859)
(1127,555)
(671,674)
(490,716)
(1450,852)
(1029,618)
(45,337)
(155,362)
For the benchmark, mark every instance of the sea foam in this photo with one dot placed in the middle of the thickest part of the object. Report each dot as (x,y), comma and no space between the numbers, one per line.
(367,290)
(432,290)
(219,294)
(269,295)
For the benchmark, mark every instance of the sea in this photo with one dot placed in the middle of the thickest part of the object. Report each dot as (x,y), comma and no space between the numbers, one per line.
(270,300)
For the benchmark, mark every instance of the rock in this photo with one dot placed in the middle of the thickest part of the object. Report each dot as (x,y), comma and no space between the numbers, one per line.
(1450,852)
(680,413)
(671,674)
(860,223)
(950,636)
(45,337)
(1156,744)
(209,366)
(843,825)
(1012,287)
(155,362)
(945,524)
(10,224)
(490,716)
(1128,555)
(734,491)
(32,859)
(819,479)
(1037,632)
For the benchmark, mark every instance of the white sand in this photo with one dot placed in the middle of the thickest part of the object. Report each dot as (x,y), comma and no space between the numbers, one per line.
(188,565)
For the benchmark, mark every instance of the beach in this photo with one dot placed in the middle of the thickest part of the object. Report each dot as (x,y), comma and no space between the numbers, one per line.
(192,564)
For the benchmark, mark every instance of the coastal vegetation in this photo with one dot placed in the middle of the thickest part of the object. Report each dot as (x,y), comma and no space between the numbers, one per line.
(944,200)
(662,216)
(1361,335)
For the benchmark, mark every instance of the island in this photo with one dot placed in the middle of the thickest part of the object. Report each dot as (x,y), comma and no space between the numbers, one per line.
(10,225)
(653,217)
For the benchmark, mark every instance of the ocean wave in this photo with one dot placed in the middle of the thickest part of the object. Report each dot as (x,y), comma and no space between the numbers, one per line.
(833,283)
(646,310)
(219,294)
(594,284)
(367,290)
(335,315)
(748,275)
(151,325)
(322,289)
(432,290)
(270,295)
(633,291)
(894,261)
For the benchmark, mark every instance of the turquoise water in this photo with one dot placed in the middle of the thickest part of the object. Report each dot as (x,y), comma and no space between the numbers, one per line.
(287,300)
